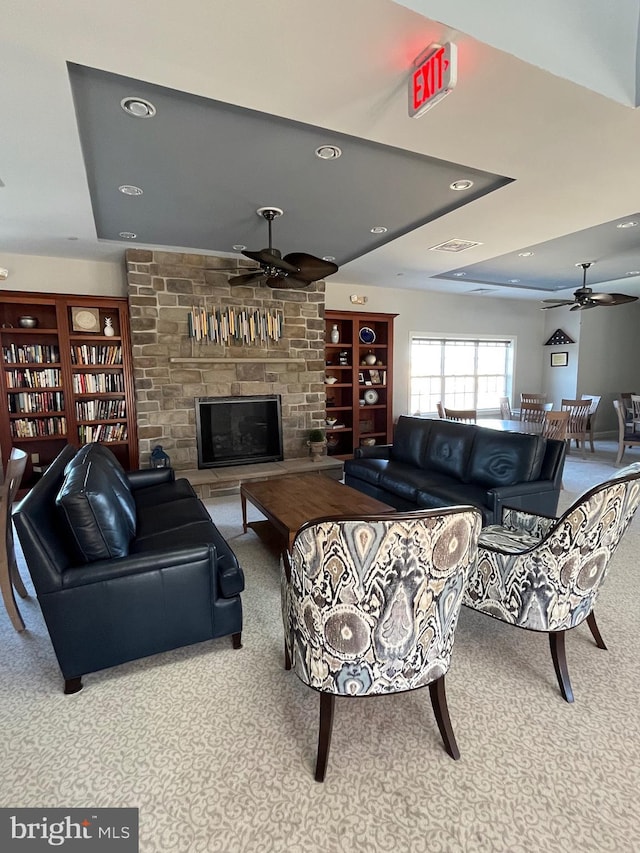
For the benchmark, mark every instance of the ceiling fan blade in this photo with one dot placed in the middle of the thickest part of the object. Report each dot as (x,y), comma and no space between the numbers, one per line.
(246,278)
(287,282)
(555,303)
(309,267)
(271,258)
(613,298)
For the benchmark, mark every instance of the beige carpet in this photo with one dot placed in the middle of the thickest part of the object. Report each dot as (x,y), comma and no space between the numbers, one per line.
(216,747)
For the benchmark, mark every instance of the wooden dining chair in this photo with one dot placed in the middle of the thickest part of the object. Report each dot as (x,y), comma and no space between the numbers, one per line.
(9,575)
(577,426)
(532,412)
(440,410)
(555,425)
(464,416)
(627,436)
(505,409)
(595,402)
(533,398)
(634,400)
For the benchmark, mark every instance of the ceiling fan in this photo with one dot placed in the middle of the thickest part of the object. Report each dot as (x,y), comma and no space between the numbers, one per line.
(584,297)
(294,271)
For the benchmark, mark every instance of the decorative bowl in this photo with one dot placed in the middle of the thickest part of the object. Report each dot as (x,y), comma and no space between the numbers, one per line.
(368,442)
(330,380)
(28,322)
(330,421)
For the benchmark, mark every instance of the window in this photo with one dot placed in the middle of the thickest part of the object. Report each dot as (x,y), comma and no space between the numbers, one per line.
(463,373)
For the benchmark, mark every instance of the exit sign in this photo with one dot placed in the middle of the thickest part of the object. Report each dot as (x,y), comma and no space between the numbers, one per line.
(434,75)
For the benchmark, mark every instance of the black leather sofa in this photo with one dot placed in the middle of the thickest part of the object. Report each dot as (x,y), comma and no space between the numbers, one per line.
(435,463)
(124,565)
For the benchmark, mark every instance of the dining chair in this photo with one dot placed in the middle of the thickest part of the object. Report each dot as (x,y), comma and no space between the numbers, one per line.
(9,575)
(595,402)
(532,412)
(533,398)
(370,605)
(505,409)
(635,410)
(440,410)
(578,418)
(627,435)
(555,425)
(544,574)
(464,416)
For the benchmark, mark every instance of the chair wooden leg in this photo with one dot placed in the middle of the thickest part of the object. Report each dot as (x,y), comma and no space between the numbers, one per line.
(327,705)
(8,597)
(441,711)
(236,640)
(593,450)
(593,626)
(18,584)
(556,643)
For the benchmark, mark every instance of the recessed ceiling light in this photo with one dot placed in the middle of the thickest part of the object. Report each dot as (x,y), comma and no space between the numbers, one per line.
(525,254)
(138,107)
(630,224)
(328,152)
(238,247)
(459,274)
(379,229)
(461,185)
(633,272)
(328,258)
(128,235)
(513,280)
(129,189)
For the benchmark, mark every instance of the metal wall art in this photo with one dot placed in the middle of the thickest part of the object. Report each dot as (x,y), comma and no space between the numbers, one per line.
(228,326)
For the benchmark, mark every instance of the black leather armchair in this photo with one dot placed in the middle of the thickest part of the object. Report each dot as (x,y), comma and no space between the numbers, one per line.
(124,565)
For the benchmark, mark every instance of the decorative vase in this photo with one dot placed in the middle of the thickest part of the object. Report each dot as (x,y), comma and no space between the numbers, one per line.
(335,334)
(317,449)
(108,327)
(370,358)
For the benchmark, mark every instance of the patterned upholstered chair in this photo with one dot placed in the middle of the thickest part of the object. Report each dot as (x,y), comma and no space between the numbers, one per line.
(370,606)
(544,574)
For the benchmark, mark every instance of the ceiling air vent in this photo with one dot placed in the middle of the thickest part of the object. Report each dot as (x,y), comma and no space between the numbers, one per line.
(455,245)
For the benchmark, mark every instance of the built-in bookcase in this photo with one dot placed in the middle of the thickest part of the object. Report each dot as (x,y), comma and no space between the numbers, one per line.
(63,379)
(358,380)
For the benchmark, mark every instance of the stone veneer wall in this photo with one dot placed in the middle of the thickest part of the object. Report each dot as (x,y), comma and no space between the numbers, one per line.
(163,287)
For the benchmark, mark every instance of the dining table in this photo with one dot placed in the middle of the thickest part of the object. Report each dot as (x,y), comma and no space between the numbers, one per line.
(511,425)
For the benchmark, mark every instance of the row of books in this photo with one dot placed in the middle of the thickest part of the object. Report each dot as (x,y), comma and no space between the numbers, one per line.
(25,377)
(31,353)
(38,427)
(102,432)
(96,354)
(43,401)
(96,383)
(100,410)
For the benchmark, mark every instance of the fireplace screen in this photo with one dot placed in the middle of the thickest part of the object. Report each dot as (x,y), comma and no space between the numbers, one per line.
(238,430)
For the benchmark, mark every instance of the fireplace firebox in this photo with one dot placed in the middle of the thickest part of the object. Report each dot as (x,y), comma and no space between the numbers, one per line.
(238,430)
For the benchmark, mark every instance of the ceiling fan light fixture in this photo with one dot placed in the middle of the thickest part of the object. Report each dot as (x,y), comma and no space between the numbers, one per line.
(138,107)
(328,152)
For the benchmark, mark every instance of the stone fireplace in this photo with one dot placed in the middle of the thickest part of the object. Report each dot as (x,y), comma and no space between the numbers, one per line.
(171,369)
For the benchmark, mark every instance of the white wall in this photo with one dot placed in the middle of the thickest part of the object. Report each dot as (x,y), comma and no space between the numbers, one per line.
(63,275)
(451,314)
(559,382)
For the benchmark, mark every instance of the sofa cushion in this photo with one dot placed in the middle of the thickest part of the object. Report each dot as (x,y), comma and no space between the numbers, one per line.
(406,481)
(505,458)
(102,456)
(94,512)
(449,448)
(150,496)
(170,516)
(410,438)
(369,470)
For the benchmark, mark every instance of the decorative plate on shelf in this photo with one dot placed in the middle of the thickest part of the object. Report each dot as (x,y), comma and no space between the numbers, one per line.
(85,319)
(367,335)
(370,396)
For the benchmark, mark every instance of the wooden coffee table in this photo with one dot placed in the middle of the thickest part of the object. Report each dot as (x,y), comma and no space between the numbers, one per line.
(288,502)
